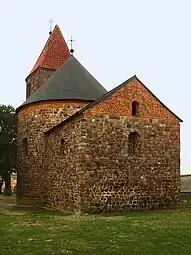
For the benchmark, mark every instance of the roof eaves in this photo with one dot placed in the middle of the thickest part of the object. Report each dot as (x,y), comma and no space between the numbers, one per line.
(49,100)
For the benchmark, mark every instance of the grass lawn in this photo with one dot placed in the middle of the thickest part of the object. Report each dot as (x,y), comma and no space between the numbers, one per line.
(27,231)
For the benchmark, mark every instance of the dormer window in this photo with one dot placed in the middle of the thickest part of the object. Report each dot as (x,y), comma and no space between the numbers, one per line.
(135,108)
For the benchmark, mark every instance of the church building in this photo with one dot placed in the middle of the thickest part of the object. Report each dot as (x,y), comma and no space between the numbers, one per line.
(84,149)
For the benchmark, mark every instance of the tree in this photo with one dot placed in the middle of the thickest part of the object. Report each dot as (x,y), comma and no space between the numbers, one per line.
(8,145)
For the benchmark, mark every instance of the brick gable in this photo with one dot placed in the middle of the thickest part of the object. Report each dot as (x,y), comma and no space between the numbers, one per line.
(119,103)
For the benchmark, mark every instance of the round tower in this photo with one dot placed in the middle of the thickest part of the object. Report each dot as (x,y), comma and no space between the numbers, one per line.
(57,87)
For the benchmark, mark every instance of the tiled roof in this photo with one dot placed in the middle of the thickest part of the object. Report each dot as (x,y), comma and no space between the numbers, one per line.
(54,53)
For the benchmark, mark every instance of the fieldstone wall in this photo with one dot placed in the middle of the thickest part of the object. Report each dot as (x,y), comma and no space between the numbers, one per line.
(117,180)
(33,121)
(106,177)
(64,150)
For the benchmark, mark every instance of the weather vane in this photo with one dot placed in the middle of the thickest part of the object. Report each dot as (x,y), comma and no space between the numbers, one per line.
(71,45)
(51,22)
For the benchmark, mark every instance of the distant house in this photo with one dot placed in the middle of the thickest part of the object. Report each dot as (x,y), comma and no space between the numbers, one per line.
(185,183)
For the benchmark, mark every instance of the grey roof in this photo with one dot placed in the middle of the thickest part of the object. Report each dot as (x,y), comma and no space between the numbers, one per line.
(70,82)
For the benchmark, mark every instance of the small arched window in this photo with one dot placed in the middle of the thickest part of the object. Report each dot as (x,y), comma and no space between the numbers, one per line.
(135,108)
(134,144)
(62,146)
(25,146)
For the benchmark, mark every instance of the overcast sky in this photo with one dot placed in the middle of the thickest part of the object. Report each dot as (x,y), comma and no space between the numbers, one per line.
(115,39)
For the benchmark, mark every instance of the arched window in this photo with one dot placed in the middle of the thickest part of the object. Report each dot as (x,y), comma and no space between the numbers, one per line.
(62,146)
(135,108)
(25,146)
(134,144)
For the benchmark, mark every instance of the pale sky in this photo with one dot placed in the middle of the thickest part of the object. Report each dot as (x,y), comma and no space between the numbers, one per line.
(115,39)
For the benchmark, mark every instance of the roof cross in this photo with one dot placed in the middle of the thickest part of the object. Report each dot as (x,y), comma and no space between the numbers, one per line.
(51,23)
(71,45)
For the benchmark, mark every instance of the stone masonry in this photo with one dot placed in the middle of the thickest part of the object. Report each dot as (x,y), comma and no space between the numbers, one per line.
(93,170)
(33,121)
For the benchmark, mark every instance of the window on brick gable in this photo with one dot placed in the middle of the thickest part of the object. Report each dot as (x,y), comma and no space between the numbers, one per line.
(134,144)
(135,108)
(25,146)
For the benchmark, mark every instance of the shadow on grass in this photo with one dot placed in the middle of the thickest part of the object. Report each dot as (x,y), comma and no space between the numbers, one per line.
(8,206)
(37,211)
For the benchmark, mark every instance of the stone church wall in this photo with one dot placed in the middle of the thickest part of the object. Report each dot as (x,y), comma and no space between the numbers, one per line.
(64,147)
(97,172)
(33,121)
(85,164)
(148,180)
(114,180)
(107,176)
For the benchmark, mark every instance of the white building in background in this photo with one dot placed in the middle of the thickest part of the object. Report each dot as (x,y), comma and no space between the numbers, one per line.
(185,183)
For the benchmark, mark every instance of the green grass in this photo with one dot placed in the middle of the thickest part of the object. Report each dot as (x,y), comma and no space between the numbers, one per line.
(27,231)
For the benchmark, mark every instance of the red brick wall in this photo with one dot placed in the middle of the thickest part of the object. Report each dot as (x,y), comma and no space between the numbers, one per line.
(120,104)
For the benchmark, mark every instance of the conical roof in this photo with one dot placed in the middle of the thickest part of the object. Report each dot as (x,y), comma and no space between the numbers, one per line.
(54,53)
(70,82)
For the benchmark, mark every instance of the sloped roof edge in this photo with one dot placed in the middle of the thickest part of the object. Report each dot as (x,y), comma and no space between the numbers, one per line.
(72,81)
(51,100)
(106,95)
(50,58)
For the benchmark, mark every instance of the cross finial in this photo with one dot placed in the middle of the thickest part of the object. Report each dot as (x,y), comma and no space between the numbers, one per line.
(71,45)
(51,22)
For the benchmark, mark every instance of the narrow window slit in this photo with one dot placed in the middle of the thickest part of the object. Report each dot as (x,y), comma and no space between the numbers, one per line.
(135,108)
(25,146)
(134,144)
